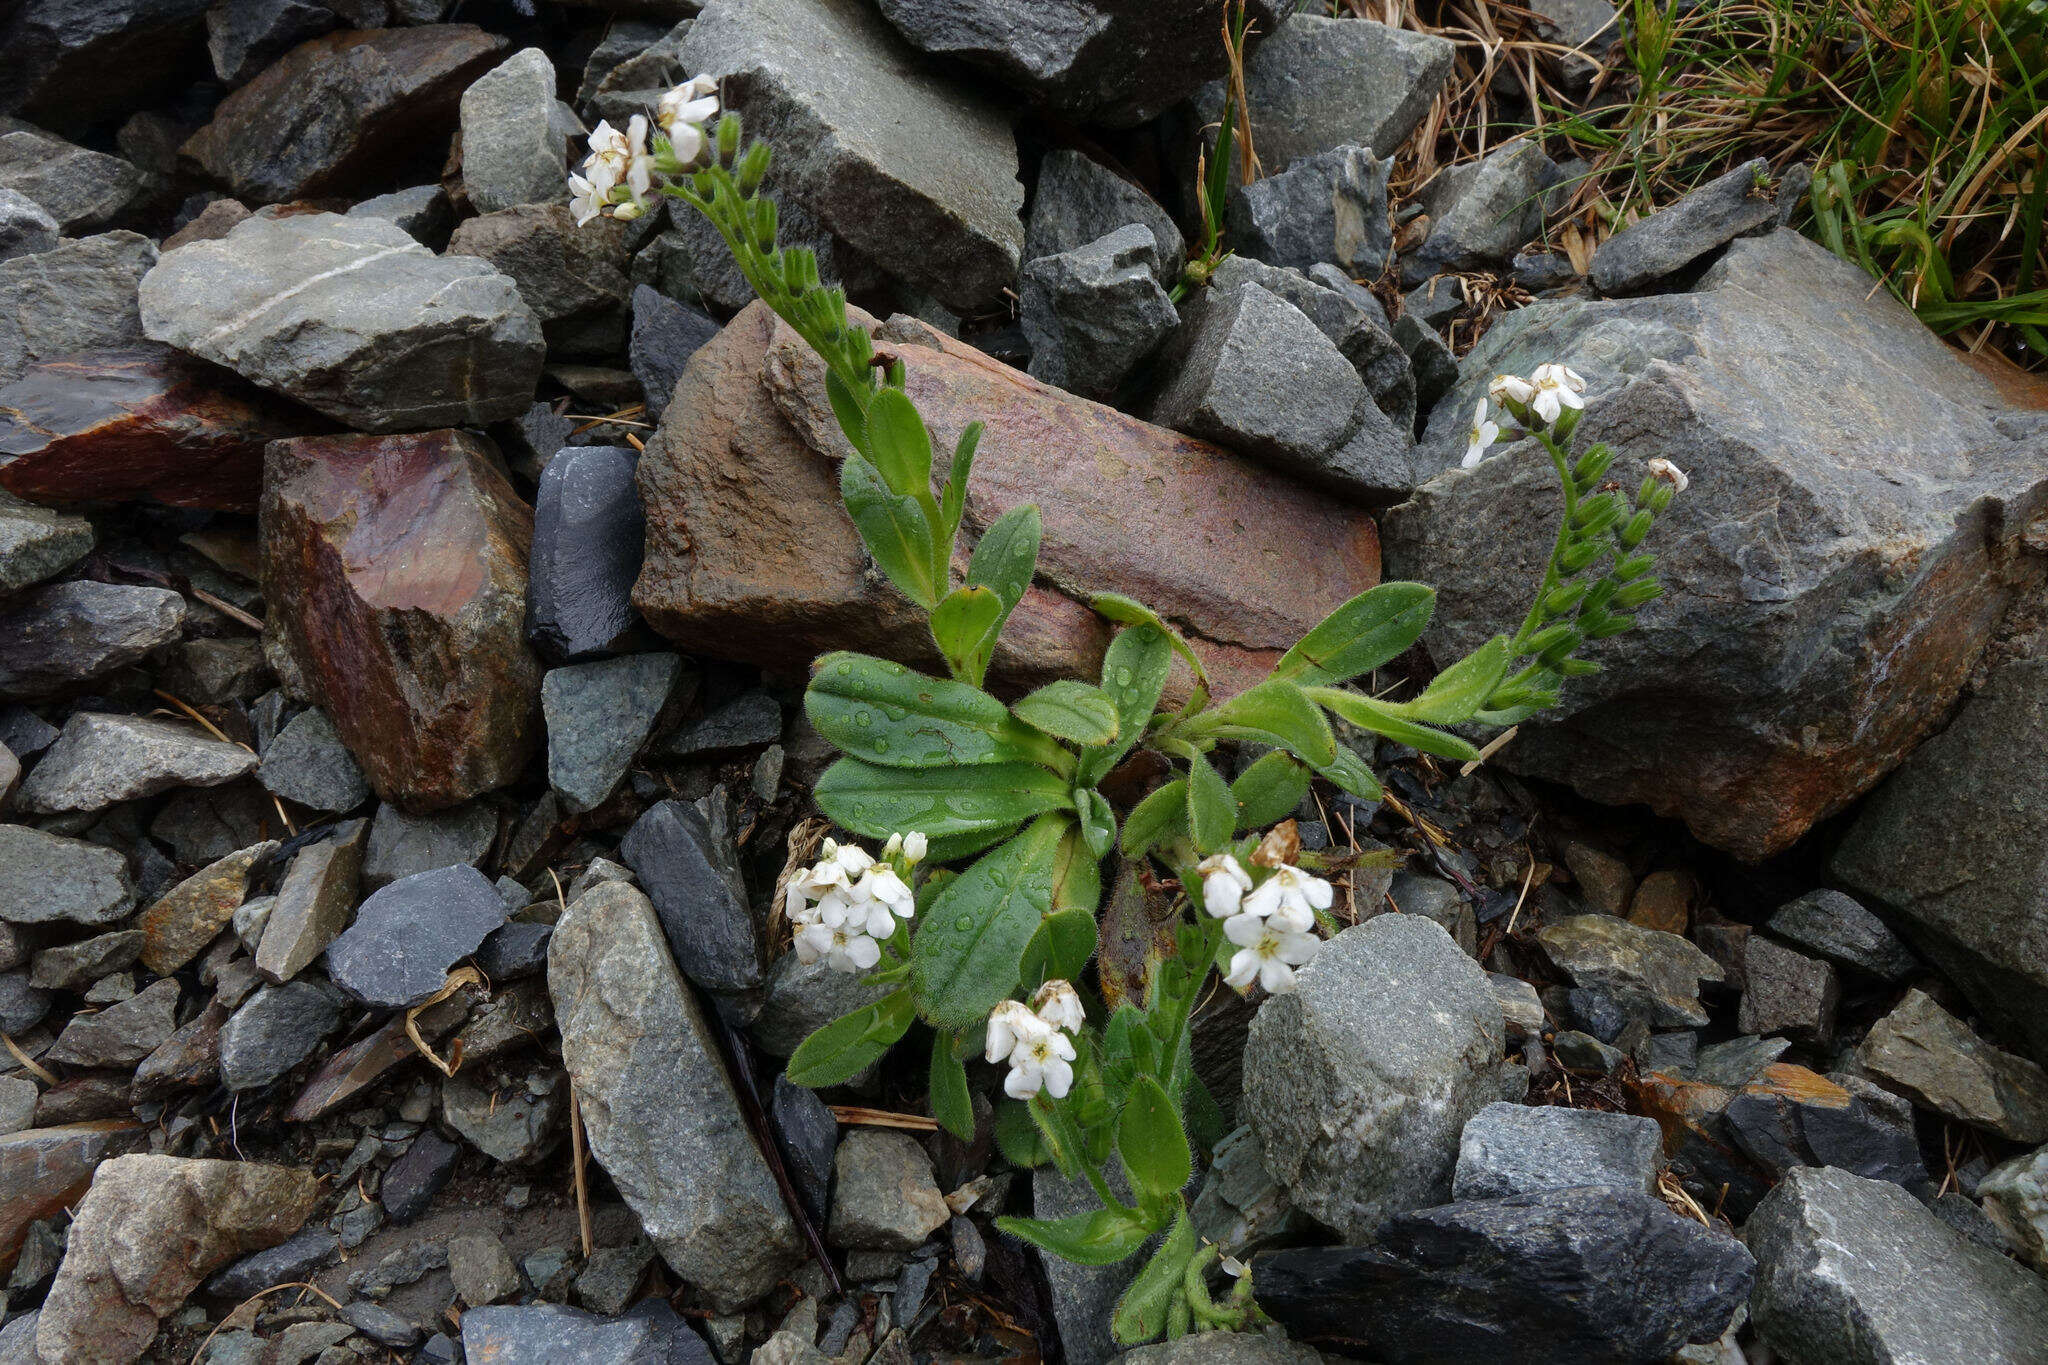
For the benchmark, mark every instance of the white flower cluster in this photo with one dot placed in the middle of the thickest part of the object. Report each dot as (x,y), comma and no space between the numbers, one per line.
(618,174)
(1541,398)
(1033,1039)
(1272,924)
(845,904)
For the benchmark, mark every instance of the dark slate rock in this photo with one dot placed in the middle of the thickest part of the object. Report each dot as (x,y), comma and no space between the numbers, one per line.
(553,1331)
(37,543)
(517,949)
(26,227)
(1787,993)
(73,65)
(1737,1061)
(587,527)
(1596,1012)
(810,1139)
(422,212)
(298,1258)
(1844,1122)
(244,36)
(600,715)
(1839,929)
(67,633)
(574,279)
(1561,1277)
(407,936)
(665,335)
(25,733)
(83,190)
(1540,272)
(308,763)
(1481,212)
(1326,209)
(1348,315)
(745,722)
(54,878)
(413,1180)
(402,845)
(74,966)
(1095,313)
(1430,358)
(1510,1149)
(119,1035)
(275,1030)
(379,1323)
(1079,201)
(1857,1272)
(22,1006)
(684,858)
(1661,245)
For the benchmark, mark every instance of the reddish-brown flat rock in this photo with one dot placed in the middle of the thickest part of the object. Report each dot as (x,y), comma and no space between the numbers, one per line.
(43,1170)
(395,569)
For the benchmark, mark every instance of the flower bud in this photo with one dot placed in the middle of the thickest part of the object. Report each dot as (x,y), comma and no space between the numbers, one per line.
(1633,595)
(727,136)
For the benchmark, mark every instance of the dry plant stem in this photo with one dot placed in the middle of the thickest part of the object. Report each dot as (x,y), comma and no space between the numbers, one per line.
(579,1156)
(858,1116)
(253,1298)
(28,1063)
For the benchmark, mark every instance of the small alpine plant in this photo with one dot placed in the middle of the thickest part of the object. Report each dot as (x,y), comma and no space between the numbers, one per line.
(979,912)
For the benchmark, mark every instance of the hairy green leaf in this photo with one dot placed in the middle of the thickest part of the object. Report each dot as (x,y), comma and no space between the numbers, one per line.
(895,717)
(969,949)
(1368,714)
(1212,813)
(1077,875)
(1129,611)
(850,408)
(1134,671)
(1004,560)
(1098,821)
(1099,1238)
(851,1043)
(1143,1311)
(1060,948)
(1017,1135)
(952,1105)
(892,527)
(899,444)
(1460,690)
(953,498)
(958,809)
(1268,791)
(1160,818)
(1152,1142)
(1364,633)
(962,623)
(1278,712)
(1070,709)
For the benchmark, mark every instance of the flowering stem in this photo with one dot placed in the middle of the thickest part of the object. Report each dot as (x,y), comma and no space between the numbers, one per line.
(1538,610)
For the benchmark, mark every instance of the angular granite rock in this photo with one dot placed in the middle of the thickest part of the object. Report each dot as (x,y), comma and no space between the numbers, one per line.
(364,109)
(188,916)
(599,715)
(1926,1052)
(307,762)
(685,857)
(70,633)
(395,569)
(1670,239)
(26,227)
(140,422)
(77,296)
(660,1111)
(313,904)
(54,878)
(84,191)
(573,278)
(1325,209)
(1806,640)
(1095,313)
(353,318)
(515,148)
(407,936)
(244,36)
(1359,1083)
(1645,971)
(1509,1149)
(148,1231)
(1078,201)
(402,844)
(1839,929)
(747,544)
(38,543)
(102,759)
(916,170)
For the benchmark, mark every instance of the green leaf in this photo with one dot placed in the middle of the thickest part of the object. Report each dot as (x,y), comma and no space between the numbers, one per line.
(1072,710)
(1060,948)
(1017,1135)
(953,499)
(1141,1314)
(1098,821)
(892,527)
(1099,1238)
(1350,773)
(1152,1142)
(848,407)
(1159,818)
(1364,633)
(899,444)
(1455,694)
(1212,814)
(895,717)
(1004,560)
(1130,611)
(1278,712)
(962,623)
(952,1106)
(851,1043)
(969,949)
(959,810)
(1077,875)
(1268,791)
(1368,714)
(1134,671)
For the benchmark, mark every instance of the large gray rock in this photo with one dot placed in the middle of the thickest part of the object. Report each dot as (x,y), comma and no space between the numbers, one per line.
(244,36)
(72,632)
(1952,846)
(1645,971)
(574,279)
(26,227)
(660,1111)
(121,1034)
(1672,238)
(103,759)
(1326,209)
(85,191)
(274,1030)
(54,878)
(401,844)
(77,296)
(1481,211)
(308,763)
(1113,62)
(1079,201)
(407,936)
(1927,1053)
(883,1195)
(1511,1149)
(1346,313)
(1857,1272)
(1842,931)
(1832,574)
(515,145)
(1093,314)
(599,716)
(1318,83)
(685,856)
(353,318)
(915,170)
(1360,1082)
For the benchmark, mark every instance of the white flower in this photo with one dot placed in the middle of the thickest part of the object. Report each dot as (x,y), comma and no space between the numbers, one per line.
(1482,435)
(1557,388)
(843,947)
(878,895)
(615,158)
(1290,898)
(915,846)
(1224,882)
(586,201)
(1041,1061)
(683,113)
(1663,469)
(1510,388)
(1011,1024)
(1058,1005)
(1268,952)
(847,888)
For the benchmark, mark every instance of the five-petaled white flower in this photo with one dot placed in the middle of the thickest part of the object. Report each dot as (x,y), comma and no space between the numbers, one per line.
(843,946)
(1059,1005)
(1510,388)
(1268,951)
(683,112)
(1663,469)
(1224,882)
(1041,1061)
(1010,1024)
(1557,388)
(1482,434)
(1290,898)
